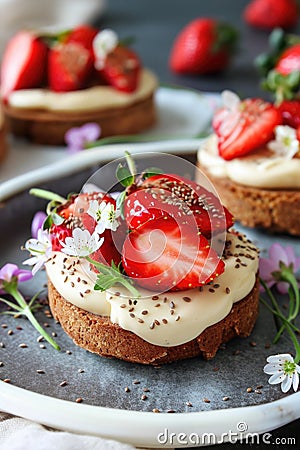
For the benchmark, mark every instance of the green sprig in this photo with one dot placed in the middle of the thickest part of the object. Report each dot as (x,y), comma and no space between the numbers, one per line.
(285,321)
(109,276)
(22,308)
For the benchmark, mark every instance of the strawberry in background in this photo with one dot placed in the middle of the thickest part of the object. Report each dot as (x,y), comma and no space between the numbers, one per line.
(280,68)
(269,14)
(204,46)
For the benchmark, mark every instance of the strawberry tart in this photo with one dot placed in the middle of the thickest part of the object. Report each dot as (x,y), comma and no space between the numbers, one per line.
(253,160)
(156,276)
(51,83)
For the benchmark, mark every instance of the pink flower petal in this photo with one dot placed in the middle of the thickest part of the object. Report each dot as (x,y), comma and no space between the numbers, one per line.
(277,253)
(266,267)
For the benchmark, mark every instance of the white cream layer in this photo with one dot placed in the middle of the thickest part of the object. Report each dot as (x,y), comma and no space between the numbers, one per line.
(94,98)
(167,319)
(259,169)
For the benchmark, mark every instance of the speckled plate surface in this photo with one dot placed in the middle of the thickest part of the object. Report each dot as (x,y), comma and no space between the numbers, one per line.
(118,397)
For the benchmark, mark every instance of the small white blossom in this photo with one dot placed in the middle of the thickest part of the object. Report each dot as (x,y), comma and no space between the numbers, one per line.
(105,215)
(230,100)
(284,370)
(82,243)
(104,43)
(40,249)
(286,143)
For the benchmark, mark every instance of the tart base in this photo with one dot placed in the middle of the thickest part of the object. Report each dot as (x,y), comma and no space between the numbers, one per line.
(99,335)
(276,210)
(49,128)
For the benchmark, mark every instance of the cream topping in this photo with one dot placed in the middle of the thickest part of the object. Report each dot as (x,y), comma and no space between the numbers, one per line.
(94,98)
(166,319)
(261,169)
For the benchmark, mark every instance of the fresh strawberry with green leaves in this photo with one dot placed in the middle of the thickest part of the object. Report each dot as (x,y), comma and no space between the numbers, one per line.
(23,64)
(204,45)
(269,14)
(165,255)
(246,126)
(121,69)
(70,65)
(280,65)
(178,197)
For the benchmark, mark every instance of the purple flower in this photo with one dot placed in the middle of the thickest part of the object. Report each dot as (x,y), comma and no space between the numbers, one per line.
(77,137)
(10,271)
(267,266)
(37,223)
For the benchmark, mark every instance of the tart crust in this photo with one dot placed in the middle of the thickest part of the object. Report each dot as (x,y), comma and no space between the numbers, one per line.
(99,335)
(3,143)
(49,128)
(276,210)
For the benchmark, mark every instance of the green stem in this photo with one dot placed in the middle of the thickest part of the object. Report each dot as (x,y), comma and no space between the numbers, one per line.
(47,195)
(26,311)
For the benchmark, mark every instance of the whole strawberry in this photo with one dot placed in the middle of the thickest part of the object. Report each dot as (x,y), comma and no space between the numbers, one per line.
(204,46)
(269,14)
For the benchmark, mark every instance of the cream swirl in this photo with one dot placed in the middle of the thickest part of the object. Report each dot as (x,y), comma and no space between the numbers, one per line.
(167,319)
(261,168)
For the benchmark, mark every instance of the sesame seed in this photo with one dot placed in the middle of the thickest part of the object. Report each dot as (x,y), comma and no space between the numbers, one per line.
(206,400)
(126,389)
(6,380)
(144,397)
(164,321)
(140,320)
(225,399)
(136,382)
(79,400)
(188,404)
(155,410)
(80,370)
(132,315)
(249,389)
(227,290)
(63,383)
(186,299)
(40,371)
(123,305)
(144,312)
(23,345)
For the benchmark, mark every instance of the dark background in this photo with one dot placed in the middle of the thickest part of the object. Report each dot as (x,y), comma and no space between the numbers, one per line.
(154,24)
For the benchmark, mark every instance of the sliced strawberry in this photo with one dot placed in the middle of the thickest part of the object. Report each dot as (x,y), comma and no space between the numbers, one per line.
(290,111)
(246,127)
(23,64)
(121,69)
(69,66)
(163,255)
(180,198)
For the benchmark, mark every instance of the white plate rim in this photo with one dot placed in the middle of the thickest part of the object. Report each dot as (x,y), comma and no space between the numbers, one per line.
(138,428)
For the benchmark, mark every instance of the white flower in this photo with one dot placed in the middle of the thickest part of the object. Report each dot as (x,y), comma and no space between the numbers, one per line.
(284,370)
(230,100)
(286,144)
(104,43)
(82,243)
(40,249)
(105,215)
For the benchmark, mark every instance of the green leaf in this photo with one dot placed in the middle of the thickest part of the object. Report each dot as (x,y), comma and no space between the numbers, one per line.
(109,276)
(120,202)
(151,171)
(124,176)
